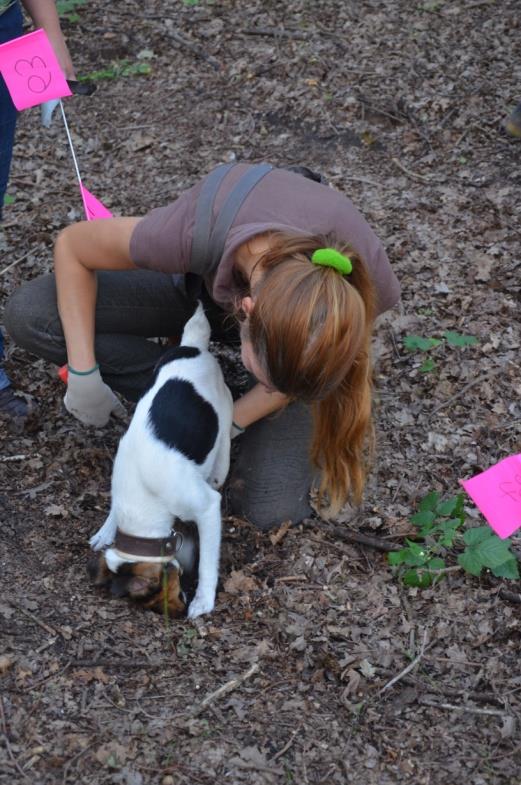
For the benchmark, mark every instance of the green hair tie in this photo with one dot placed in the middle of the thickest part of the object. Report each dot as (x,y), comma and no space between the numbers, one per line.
(329,257)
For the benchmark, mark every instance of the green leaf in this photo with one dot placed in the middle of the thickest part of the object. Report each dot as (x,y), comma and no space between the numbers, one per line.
(396,557)
(436,563)
(509,569)
(470,561)
(8,199)
(449,529)
(64,6)
(476,535)
(427,365)
(419,343)
(416,554)
(457,339)
(413,578)
(429,502)
(423,518)
(493,552)
(447,507)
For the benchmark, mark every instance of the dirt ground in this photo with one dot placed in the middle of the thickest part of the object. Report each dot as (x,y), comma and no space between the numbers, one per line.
(400,105)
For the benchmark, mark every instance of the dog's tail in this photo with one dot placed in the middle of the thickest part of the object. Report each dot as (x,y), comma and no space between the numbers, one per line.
(197,330)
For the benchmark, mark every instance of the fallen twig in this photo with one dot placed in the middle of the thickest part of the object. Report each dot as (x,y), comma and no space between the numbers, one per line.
(280,533)
(357,538)
(408,172)
(13,264)
(8,743)
(225,689)
(464,389)
(36,620)
(196,49)
(288,744)
(470,709)
(510,596)
(277,32)
(408,669)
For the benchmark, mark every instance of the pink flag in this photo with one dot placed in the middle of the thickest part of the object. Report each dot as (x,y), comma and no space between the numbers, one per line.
(497,493)
(94,209)
(31,71)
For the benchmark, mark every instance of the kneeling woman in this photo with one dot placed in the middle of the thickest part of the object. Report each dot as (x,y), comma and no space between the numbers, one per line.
(298,265)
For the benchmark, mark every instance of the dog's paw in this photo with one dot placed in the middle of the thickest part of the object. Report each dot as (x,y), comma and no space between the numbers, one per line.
(200,605)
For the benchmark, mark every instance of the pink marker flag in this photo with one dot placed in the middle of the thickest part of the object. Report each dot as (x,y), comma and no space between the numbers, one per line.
(31,71)
(94,209)
(497,493)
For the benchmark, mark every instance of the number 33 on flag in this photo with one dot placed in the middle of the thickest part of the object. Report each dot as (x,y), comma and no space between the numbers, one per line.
(31,71)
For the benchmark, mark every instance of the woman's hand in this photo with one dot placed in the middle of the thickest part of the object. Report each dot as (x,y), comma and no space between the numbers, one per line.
(44,14)
(90,400)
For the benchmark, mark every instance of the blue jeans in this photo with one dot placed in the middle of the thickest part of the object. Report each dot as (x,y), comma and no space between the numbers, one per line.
(10,27)
(4,379)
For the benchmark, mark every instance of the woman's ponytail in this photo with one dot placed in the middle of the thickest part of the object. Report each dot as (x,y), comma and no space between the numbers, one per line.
(311,330)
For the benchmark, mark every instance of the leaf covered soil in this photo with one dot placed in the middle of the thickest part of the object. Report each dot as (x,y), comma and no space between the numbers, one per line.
(400,105)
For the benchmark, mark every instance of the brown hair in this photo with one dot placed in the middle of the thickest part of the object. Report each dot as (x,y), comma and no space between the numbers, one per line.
(310,329)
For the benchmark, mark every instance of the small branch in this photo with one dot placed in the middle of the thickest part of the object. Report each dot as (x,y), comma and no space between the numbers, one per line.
(195,48)
(280,533)
(8,458)
(509,596)
(287,745)
(277,32)
(356,538)
(225,689)
(37,621)
(470,709)
(13,264)
(408,669)
(8,743)
(408,172)
(463,390)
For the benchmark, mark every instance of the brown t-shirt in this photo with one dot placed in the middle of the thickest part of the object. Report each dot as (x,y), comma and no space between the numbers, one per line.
(282,200)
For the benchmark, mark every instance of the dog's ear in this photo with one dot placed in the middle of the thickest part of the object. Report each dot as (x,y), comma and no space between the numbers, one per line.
(98,570)
(170,596)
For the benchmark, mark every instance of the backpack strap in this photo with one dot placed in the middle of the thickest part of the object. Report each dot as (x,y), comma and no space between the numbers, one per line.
(207,243)
(203,218)
(229,210)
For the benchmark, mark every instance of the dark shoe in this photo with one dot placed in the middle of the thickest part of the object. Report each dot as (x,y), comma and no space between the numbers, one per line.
(13,405)
(272,475)
(513,123)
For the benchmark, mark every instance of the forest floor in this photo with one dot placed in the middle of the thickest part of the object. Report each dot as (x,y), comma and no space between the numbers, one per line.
(400,105)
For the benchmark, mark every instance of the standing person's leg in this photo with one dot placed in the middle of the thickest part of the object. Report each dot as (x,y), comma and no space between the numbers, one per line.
(10,27)
(130,308)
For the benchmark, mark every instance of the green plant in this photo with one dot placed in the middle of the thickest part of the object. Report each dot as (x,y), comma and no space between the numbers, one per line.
(117,68)
(8,199)
(439,523)
(418,343)
(66,8)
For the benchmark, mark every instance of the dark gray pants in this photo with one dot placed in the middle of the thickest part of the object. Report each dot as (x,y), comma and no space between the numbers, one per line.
(270,480)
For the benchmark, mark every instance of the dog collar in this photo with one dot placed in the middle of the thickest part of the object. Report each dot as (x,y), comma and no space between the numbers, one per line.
(156,549)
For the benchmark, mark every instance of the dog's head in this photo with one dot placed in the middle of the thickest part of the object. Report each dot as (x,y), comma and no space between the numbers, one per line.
(155,586)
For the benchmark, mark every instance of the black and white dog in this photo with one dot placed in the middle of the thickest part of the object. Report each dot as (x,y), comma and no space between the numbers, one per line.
(170,463)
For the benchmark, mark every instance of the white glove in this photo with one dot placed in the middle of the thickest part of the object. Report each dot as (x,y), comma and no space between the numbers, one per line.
(90,400)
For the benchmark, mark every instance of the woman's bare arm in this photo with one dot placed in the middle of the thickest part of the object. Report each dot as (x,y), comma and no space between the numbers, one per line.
(256,404)
(80,250)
